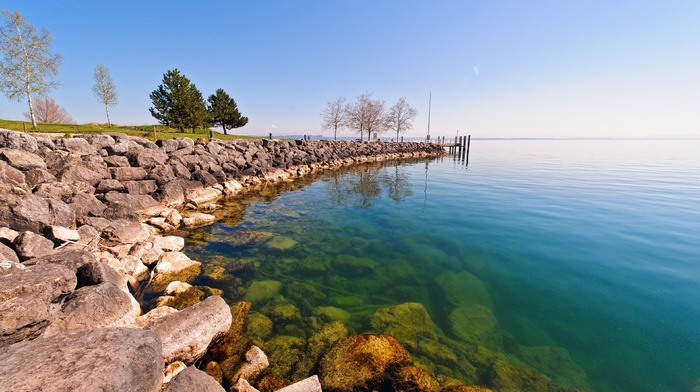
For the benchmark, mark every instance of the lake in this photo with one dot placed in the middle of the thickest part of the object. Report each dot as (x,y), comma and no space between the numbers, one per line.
(578,259)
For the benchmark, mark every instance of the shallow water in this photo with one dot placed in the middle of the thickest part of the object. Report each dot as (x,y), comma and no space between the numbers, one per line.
(578,259)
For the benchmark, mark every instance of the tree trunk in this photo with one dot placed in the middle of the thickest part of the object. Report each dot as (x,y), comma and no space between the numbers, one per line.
(31,109)
(109,122)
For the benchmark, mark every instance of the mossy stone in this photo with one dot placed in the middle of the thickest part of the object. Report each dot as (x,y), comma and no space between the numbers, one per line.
(281,243)
(475,324)
(331,313)
(258,327)
(508,377)
(556,363)
(352,266)
(262,290)
(463,288)
(408,322)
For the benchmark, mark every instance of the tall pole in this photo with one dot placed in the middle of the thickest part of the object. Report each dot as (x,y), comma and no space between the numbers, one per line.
(430,101)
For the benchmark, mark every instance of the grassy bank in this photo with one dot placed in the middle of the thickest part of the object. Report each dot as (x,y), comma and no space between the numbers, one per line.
(146,131)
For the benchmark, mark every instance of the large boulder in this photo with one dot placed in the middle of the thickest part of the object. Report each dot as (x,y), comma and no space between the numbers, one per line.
(193,379)
(17,140)
(126,232)
(22,160)
(78,146)
(34,213)
(101,306)
(187,333)
(30,245)
(75,174)
(361,362)
(106,359)
(26,295)
(73,259)
(174,266)
(410,323)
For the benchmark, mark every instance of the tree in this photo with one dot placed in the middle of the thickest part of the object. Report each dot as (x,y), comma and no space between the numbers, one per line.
(28,66)
(366,114)
(104,89)
(178,103)
(401,116)
(46,110)
(224,111)
(335,115)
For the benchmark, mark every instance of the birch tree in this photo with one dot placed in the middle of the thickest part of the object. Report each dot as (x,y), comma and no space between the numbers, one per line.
(335,115)
(366,114)
(104,89)
(401,117)
(28,64)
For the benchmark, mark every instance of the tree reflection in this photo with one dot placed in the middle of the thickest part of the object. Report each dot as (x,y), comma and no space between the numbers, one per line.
(363,186)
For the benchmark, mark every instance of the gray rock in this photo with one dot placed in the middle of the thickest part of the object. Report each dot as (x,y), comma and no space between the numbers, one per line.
(94,273)
(7,235)
(22,160)
(126,232)
(255,363)
(128,173)
(193,379)
(84,204)
(138,202)
(30,245)
(11,177)
(168,145)
(34,213)
(142,187)
(7,253)
(117,161)
(102,306)
(70,258)
(110,185)
(78,146)
(107,359)
(123,211)
(97,141)
(25,299)
(187,333)
(80,174)
(310,384)
(147,158)
(17,140)
(60,234)
(38,176)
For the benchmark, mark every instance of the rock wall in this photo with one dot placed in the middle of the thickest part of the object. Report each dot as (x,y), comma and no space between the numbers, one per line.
(82,223)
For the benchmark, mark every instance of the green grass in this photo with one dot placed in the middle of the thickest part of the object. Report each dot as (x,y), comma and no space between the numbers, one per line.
(145,131)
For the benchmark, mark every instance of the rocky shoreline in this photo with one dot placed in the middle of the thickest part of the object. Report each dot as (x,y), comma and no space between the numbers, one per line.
(84,224)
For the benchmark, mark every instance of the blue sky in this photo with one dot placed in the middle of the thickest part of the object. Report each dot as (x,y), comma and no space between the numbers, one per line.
(559,68)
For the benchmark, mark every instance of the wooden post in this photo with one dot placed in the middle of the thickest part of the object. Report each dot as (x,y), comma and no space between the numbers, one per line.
(270,135)
(469,140)
(155,136)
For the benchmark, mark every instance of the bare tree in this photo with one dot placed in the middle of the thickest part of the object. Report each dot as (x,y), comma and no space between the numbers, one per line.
(335,115)
(46,110)
(104,89)
(401,116)
(366,114)
(29,66)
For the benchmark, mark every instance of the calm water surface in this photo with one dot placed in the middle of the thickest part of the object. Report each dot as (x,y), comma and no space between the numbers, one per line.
(578,259)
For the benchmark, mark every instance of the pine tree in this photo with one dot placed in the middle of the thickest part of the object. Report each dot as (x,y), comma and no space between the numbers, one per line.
(224,111)
(178,103)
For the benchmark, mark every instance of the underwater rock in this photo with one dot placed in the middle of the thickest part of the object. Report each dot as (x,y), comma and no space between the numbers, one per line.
(284,313)
(476,324)
(281,243)
(556,363)
(331,313)
(258,327)
(508,377)
(173,266)
(463,288)
(313,265)
(255,363)
(197,219)
(249,238)
(284,352)
(411,378)
(310,384)
(317,346)
(361,362)
(263,290)
(193,379)
(351,266)
(409,323)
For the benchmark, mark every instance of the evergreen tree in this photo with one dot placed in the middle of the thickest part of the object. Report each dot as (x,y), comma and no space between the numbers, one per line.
(178,103)
(224,112)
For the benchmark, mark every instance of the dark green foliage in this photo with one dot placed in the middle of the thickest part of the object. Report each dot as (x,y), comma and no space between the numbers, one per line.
(178,103)
(224,111)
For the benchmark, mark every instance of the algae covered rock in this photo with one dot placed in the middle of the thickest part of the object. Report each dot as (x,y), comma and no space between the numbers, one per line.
(556,363)
(331,313)
(408,322)
(349,265)
(258,327)
(463,288)
(263,290)
(281,243)
(361,362)
(508,377)
(412,378)
(475,324)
